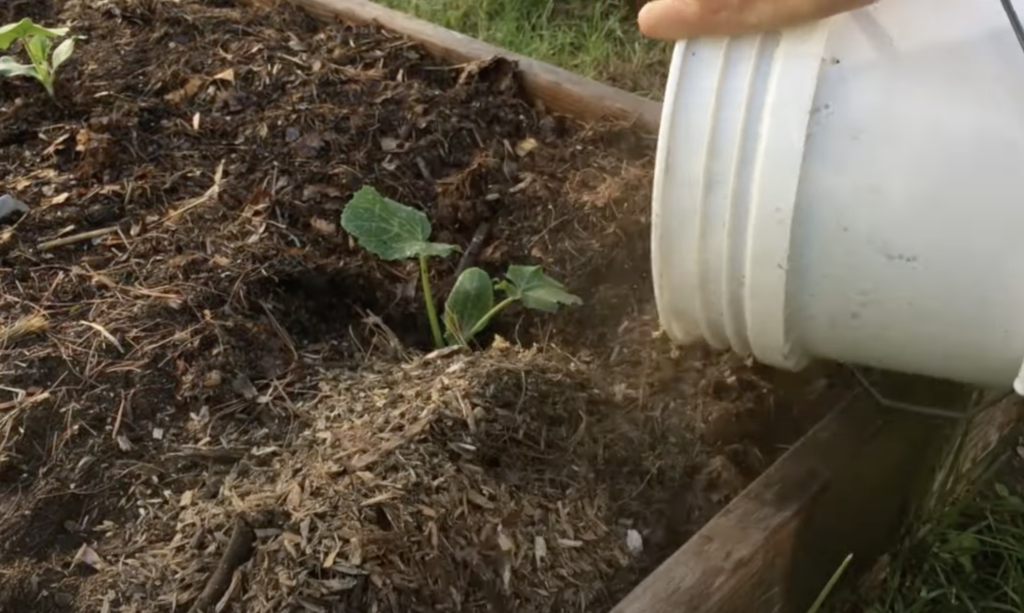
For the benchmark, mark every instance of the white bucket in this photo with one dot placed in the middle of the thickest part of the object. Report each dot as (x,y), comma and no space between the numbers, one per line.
(850,190)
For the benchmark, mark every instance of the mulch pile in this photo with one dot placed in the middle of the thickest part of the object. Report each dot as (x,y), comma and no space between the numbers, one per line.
(500,481)
(209,397)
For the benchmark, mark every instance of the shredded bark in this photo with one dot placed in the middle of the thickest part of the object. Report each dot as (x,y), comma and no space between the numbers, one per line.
(237,552)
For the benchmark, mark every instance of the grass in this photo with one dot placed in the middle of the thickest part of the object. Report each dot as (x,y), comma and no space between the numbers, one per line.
(967,557)
(966,550)
(597,38)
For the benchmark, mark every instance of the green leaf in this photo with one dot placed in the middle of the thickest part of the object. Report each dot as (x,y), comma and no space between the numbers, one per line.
(62,53)
(16,31)
(536,289)
(38,48)
(9,67)
(388,229)
(468,305)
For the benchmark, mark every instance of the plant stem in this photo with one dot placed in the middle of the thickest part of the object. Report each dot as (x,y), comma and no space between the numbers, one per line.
(428,297)
(820,600)
(486,319)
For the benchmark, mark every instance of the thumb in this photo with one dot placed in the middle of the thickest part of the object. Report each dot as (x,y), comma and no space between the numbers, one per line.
(673,20)
(669,20)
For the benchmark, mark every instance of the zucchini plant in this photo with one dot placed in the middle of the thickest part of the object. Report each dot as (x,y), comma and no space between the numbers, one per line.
(394,231)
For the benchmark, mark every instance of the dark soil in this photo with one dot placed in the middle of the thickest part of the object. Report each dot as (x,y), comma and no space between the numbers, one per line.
(187,340)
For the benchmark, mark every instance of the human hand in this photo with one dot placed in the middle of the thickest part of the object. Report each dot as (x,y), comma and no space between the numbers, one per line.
(673,20)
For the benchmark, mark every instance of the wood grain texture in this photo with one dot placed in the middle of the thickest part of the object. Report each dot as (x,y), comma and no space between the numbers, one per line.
(848,487)
(559,90)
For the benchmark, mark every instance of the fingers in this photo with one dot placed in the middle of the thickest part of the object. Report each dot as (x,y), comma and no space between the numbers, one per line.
(678,19)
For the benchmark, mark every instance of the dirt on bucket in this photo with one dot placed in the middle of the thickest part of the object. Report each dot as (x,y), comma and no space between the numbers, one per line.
(212,399)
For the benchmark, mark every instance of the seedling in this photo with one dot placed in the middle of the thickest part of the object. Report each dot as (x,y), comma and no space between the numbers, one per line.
(393,231)
(36,40)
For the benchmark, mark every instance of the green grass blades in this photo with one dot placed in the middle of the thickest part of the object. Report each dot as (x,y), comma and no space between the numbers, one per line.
(823,596)
(969,557)
(595,38)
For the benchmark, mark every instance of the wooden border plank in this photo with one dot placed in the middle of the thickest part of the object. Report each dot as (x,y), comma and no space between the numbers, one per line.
(560,90)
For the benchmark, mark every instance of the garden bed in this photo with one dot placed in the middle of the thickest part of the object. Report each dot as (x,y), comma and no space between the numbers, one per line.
(192,352)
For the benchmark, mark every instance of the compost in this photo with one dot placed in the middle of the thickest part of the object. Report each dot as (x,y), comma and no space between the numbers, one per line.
(212,399)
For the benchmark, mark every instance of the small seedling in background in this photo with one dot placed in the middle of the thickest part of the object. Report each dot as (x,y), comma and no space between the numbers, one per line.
(36,40)
(394,231)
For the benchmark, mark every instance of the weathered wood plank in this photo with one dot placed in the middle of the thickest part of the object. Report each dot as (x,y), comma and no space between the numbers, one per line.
(846,488)
(559,90)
